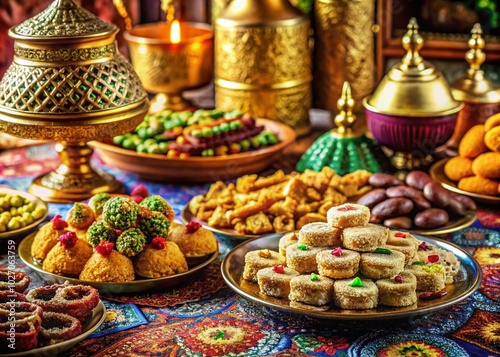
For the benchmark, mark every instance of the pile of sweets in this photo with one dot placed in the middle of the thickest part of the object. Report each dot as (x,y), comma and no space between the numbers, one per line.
(116,238)
(351,263)
(199,133)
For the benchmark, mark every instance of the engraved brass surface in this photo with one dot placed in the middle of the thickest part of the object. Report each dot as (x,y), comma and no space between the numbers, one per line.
(263,62)
(343,51)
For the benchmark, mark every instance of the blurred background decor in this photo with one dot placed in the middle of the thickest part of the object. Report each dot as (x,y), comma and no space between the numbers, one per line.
(343,51)
(263,61)
(480,95)
(170,57)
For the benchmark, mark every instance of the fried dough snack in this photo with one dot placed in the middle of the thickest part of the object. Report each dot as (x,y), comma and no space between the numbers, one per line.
(279,202)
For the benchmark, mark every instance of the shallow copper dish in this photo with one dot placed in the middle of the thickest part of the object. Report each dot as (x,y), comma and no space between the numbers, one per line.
(234,262)
(25,230)
(98,317)
(138,285)
(452,226)
(197,169)
(437,173)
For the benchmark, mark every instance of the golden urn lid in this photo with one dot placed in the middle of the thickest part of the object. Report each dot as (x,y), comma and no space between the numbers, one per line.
(474,87)
(413,87)
(68,81)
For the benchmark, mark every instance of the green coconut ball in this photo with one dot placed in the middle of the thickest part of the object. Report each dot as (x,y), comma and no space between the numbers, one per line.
(153,225)
(158,204)
(131,242)
(120,212)
(97,202)
(100,231)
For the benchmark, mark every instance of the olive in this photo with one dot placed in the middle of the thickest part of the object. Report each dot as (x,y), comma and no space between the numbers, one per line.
(3,227)
(13,224)
(39,212)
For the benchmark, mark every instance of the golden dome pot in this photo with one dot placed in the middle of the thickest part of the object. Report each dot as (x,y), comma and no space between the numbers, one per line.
(69,83)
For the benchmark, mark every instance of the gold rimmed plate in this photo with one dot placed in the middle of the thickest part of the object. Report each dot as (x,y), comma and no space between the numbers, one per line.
(138,285)
(197,169)
(437,173)
(30,227)
(89,327)
(468,281)
(452,226)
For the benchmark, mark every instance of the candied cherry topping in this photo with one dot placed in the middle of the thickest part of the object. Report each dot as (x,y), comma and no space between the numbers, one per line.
(58,222)
(104,248)
(346,208)
(337,252)
(280,269)
(424,246)
(399,279)
(140,190)
(400,235)
(68,239)
(192,227)
(314,277)
(136,198)
(433,258)
(158,242)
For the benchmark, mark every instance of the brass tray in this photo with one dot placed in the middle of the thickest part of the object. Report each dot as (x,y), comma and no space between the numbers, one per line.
(437,173)
(197,169)
(138,285)
(25,230)
(98,316)
(233,263)
(453,226)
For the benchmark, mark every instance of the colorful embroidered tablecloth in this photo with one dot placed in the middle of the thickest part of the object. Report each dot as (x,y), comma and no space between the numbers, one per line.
(203,317)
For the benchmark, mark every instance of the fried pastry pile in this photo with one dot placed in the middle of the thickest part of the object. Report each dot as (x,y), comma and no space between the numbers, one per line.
(277,203)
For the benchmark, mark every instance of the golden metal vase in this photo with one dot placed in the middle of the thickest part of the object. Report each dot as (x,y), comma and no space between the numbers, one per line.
(343,51)
(263,61)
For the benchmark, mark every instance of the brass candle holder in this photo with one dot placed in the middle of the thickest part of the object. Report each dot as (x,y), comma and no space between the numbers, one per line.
(170,62)
(69,83)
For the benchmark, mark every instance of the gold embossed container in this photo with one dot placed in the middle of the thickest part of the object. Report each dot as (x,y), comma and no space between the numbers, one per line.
(343,51)
(263,61)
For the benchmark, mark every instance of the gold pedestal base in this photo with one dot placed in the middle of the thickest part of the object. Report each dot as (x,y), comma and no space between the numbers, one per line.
(74,180)
(163,101)
(53,187)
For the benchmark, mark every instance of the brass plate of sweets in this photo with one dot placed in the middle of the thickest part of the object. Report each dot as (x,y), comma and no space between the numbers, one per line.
(89,327)
(197,169)
(468,280)
(437,173)
(135,286)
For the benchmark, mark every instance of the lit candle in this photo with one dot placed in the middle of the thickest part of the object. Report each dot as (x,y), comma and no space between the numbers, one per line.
(175,32)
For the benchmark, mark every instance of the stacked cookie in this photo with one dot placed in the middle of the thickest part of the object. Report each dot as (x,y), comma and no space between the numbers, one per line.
(349,263)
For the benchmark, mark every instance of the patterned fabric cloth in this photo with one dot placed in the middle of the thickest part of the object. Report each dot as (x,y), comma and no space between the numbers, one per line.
(203,317)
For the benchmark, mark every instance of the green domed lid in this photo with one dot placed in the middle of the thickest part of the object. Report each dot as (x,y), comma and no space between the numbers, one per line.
(344,149)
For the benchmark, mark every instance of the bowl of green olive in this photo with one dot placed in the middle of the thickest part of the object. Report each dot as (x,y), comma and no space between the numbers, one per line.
(20,213)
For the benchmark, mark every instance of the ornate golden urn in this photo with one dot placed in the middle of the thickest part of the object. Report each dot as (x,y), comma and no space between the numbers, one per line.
(263,61)
(69,83)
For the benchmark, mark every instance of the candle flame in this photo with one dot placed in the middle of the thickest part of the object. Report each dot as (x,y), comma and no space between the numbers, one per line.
(175,32)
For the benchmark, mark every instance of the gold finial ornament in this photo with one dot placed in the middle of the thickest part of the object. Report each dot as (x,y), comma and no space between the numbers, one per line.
(69,83)
(345,119)
(481,97)
(342,148)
